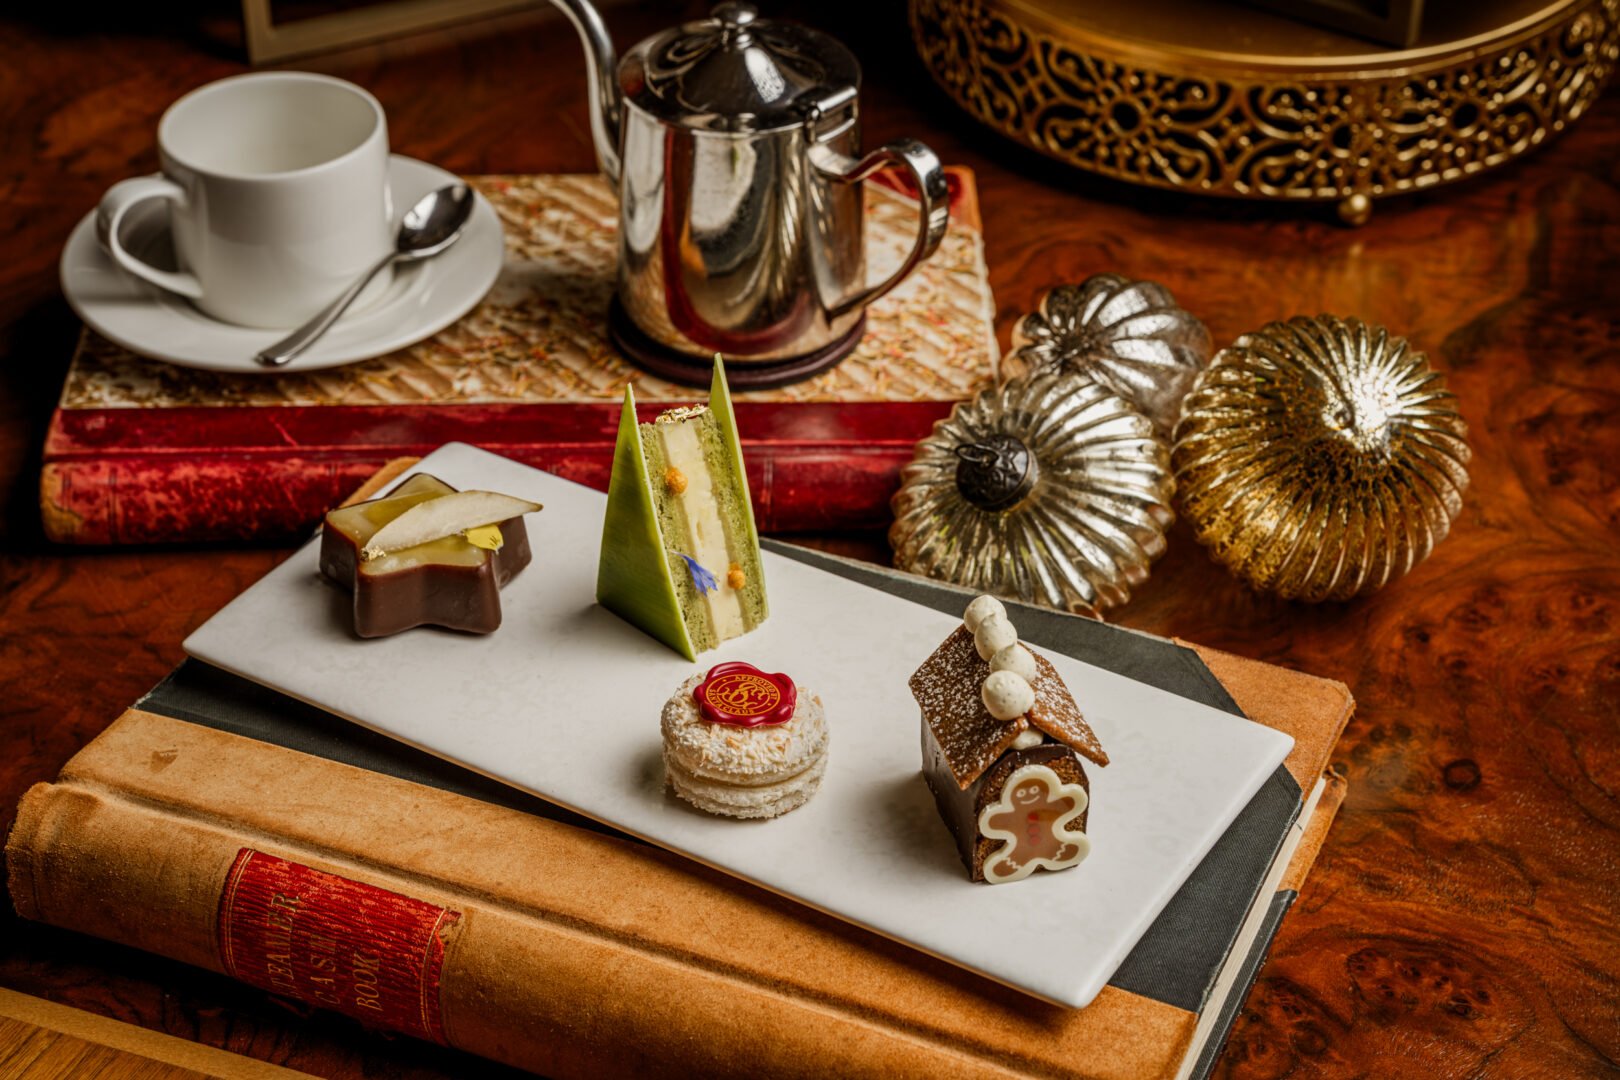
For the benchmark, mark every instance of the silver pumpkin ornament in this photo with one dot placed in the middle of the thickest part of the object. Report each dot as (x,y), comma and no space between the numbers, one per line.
(1049,489)
(1131,336)
(1320,458)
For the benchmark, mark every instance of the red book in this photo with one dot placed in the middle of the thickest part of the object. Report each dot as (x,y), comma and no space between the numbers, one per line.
(144,452)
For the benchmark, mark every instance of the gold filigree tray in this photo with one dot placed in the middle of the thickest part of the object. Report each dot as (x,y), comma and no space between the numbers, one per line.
(1214,98)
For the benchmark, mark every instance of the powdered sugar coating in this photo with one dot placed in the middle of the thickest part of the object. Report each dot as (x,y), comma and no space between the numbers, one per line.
(947,687)
(737,755)
(1056,713)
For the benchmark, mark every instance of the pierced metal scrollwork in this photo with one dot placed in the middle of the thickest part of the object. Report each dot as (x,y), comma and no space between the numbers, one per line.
(1260,133)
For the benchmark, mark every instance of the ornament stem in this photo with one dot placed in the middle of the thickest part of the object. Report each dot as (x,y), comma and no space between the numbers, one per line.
(997,473)
(976,454)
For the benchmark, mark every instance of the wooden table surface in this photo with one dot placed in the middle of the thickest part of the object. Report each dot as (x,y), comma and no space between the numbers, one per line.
(1461,920)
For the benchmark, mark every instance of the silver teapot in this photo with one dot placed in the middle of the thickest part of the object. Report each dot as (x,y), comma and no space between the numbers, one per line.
(734,146)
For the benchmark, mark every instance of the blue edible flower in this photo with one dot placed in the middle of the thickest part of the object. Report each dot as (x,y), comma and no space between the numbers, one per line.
(705,581)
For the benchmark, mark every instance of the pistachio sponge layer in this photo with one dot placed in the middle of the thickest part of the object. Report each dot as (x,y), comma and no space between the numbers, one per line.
(703,515)
(680,551)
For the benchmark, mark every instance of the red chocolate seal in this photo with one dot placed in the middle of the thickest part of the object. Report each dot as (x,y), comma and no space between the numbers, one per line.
(741,695)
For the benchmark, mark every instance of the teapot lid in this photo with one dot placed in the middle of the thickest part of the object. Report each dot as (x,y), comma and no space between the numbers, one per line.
(736,72)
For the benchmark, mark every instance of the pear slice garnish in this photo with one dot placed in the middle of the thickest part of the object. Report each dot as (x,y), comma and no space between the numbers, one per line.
(448,515)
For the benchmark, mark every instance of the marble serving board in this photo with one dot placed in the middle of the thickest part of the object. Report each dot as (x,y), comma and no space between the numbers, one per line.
(563,702)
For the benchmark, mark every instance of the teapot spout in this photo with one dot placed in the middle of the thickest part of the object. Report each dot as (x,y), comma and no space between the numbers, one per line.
(601,68)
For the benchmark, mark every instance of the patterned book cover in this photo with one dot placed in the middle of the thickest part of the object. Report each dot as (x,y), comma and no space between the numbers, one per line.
(144,452)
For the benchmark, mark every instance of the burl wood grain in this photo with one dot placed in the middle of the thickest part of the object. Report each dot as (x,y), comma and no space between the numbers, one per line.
(1461,920)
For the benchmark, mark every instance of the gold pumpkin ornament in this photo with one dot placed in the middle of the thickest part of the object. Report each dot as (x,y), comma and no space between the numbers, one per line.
(1320,458)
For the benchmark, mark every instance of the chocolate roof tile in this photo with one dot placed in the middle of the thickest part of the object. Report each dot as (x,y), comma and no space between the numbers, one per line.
(1056,713)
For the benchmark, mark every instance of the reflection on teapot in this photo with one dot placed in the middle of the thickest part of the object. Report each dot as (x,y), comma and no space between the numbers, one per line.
(733,143)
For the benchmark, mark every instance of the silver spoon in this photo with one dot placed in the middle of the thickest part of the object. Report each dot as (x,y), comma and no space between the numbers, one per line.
(430,227)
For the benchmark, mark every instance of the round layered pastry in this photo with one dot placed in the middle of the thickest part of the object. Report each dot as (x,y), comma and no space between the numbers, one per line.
(744,743)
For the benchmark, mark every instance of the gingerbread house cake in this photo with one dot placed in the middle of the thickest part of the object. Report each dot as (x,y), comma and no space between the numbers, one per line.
(1004,748)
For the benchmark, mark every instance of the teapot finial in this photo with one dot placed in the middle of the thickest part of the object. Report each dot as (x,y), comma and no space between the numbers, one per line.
(734,18)
(734,13)
(601,65)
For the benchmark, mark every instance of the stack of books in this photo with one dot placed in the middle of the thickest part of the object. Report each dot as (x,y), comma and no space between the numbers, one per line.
(223,824)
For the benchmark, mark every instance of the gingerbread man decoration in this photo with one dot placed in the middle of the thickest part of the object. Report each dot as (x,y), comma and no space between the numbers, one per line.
(1032,818)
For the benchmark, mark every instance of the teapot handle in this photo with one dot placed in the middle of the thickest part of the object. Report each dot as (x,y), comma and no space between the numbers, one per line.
(933,209)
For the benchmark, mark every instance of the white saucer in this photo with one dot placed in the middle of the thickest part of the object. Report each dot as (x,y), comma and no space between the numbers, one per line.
(420,300)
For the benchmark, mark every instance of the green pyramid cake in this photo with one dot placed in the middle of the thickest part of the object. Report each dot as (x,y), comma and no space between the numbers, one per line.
(680,553)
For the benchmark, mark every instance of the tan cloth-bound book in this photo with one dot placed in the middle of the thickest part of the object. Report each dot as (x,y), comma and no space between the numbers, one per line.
(540,944)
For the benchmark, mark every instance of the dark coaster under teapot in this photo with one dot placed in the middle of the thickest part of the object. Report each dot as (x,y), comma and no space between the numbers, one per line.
(658,359)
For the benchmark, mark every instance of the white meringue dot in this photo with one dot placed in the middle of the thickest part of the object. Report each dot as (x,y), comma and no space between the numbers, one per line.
(994,633)
(1007,695)
(1028,738)
(980,609)
(1017,659)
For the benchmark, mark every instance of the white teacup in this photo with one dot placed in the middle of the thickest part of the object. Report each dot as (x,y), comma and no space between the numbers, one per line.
(278,190)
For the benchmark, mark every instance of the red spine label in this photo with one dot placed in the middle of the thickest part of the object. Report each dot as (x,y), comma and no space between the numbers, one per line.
(303,933)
